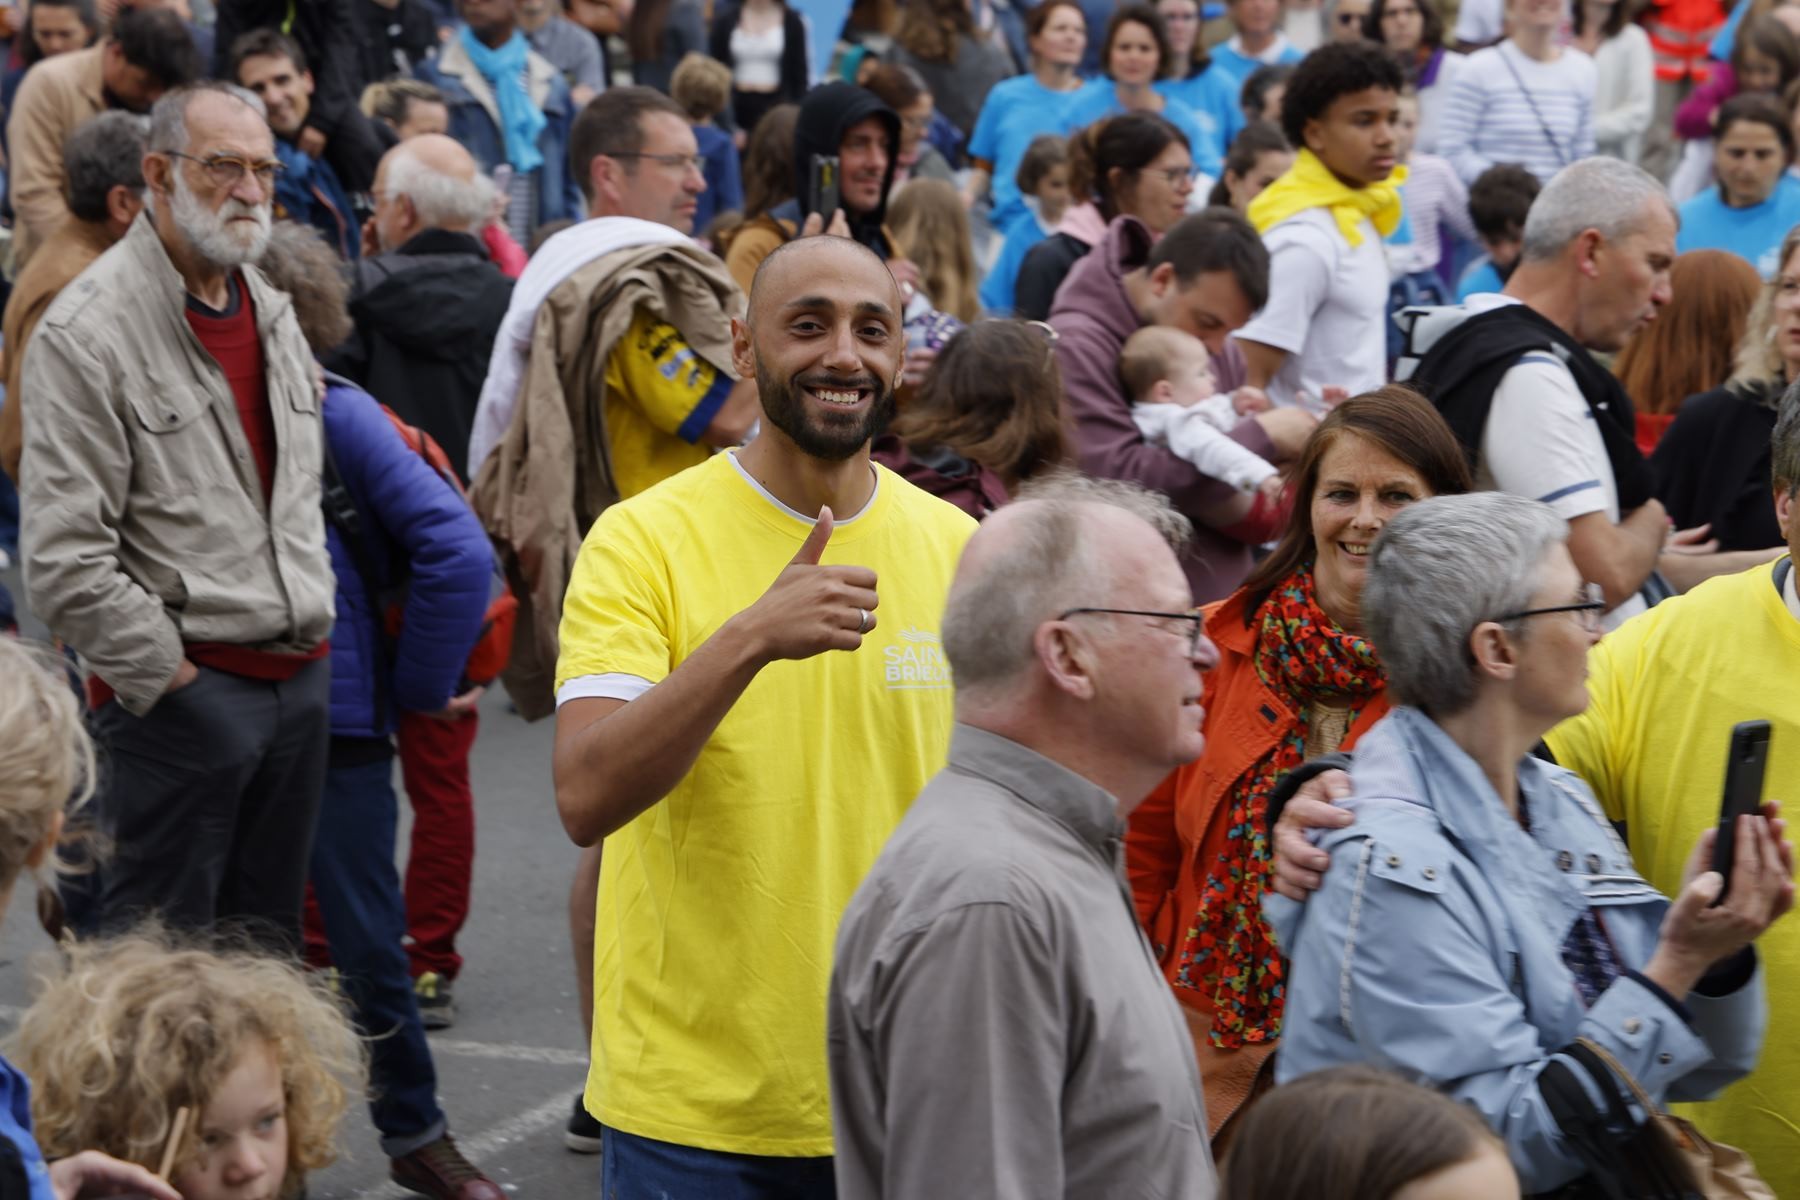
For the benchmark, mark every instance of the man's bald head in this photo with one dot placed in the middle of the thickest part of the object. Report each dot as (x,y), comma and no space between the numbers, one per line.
(429,182)
(792,265)
(1067,542)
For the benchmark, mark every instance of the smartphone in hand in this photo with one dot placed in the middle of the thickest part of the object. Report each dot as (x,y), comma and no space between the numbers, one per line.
(822,195)
(1745,764)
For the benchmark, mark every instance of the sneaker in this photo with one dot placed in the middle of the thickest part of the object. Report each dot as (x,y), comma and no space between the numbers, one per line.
(438,1169)
(437,1006)
(583,1134)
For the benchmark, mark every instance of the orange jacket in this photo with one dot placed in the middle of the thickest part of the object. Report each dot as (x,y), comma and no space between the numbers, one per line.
(1181,826)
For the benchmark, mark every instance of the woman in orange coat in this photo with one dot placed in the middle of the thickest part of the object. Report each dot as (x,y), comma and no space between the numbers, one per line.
(1295,679)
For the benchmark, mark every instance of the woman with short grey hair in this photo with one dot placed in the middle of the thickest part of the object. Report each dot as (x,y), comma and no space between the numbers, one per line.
(1483,927)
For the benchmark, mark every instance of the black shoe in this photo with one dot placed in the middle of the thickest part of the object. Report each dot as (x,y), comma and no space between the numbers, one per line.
(583,1134)
(437,1006)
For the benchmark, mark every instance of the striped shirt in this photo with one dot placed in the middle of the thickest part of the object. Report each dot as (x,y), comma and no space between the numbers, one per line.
(1506,107)
(1434,197)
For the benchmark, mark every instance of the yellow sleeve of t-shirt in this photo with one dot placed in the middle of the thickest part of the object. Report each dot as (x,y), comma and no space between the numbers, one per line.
(615,617)
(666,380)
(1590,744)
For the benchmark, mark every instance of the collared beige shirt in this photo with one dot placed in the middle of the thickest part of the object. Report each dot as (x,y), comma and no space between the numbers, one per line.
(997,1023)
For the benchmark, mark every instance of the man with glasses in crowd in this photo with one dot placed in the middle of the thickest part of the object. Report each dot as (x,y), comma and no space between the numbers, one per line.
(173,535)
(965,1059)
(625,319)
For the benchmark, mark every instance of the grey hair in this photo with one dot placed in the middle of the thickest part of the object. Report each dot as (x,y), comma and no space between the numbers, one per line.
(441,201)
(1607,195)
(1440,568)
(1784,443)
(168,116)
(1050,562)
(103,153)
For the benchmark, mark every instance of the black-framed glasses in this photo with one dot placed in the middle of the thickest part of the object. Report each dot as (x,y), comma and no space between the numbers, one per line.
(1174,175)
(1195,619)
(682,162)
(227,169)
(1347,19)
(1589,611)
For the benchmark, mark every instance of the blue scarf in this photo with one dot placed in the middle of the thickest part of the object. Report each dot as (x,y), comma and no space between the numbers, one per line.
(504,70)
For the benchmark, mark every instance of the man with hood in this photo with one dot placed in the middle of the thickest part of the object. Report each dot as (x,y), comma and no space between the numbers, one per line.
(427,300)
(853,124)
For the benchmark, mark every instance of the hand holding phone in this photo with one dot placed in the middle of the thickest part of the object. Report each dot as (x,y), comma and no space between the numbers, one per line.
(1746,762)
(822,193)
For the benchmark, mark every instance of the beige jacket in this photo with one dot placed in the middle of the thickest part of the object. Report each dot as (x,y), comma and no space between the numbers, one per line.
(552,474)
(58,94)
(144,522)
(67,253)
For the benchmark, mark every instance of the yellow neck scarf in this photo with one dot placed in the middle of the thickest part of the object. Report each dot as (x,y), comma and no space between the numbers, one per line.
(1310,184)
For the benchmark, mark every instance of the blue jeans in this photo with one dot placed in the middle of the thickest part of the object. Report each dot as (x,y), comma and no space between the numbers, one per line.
(639,1168)
(359,898)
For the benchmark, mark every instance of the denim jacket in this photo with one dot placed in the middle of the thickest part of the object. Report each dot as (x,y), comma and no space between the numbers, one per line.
(1434,947)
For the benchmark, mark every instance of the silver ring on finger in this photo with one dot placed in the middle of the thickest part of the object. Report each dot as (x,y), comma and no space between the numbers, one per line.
(862,621)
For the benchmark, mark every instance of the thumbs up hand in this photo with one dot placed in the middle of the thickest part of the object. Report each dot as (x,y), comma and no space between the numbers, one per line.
(810,608)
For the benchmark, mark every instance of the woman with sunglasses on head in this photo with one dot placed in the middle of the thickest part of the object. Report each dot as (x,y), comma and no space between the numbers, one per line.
(988,417)
(1296,679)
(1483,928)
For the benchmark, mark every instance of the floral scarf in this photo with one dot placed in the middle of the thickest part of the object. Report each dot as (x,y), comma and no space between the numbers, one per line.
(1228,953)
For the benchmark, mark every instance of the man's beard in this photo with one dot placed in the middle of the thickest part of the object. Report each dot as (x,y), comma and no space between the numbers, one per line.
(216,236)
(839,435)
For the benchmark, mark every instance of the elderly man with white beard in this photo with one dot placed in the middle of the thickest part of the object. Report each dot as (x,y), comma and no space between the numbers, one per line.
(173,536)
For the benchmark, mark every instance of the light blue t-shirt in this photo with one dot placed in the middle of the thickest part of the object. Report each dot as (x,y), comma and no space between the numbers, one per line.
(1753,234)
(1101,99)
(1480,276)
(1211,93)
(1002,279)
(1015,111)
(1237,65)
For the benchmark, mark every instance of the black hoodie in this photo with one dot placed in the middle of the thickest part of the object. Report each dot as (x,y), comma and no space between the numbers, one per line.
(426,314)
(826,115)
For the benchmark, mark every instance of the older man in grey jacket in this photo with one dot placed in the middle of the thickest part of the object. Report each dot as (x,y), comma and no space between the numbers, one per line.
(173,535)
(998,1024)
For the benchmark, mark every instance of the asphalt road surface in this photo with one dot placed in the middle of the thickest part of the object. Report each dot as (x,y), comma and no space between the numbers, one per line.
(510,1068)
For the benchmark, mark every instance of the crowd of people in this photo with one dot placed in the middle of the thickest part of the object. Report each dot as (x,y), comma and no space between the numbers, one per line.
(1137,598)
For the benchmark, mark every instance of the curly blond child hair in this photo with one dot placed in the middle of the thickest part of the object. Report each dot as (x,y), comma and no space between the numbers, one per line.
(131,1030)
(46,759)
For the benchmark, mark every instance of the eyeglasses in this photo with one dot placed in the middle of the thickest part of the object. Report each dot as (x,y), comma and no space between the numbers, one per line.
(1196,621)
(1350,18)
(681,162)
(1180,18)
(1174,175)
(227,169)
(915,124)
(1589,612)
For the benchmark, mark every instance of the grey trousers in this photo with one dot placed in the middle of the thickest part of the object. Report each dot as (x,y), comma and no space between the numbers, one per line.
(207,807)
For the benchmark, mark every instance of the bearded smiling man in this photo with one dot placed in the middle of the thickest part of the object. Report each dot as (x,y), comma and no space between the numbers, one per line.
(745,731)
(173,535)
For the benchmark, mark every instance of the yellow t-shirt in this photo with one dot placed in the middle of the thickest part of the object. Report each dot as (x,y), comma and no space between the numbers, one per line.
(660,397)
(1666,687)
(719,906)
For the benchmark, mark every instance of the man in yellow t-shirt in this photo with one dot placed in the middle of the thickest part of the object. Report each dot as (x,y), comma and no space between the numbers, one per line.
(1664,690)
(745,731)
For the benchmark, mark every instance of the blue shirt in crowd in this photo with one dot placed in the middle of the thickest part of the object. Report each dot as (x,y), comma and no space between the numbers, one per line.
(1016,111)
(1480,276)
(1753,233)
(1237,65)
(724,183)
(1022,234)
(1101,99)
(1212,93)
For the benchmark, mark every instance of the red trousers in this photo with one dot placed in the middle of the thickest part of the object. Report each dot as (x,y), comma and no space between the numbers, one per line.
(434,768)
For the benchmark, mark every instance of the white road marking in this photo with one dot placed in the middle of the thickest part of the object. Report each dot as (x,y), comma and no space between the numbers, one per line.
(535,1054)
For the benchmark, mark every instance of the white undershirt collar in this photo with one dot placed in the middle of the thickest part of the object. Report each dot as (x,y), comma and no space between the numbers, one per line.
(808,518)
